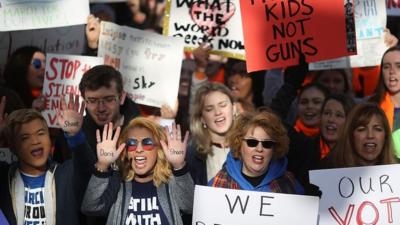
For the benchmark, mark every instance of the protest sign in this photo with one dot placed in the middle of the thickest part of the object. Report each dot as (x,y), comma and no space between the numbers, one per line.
(106,1)
(37,14)
(62,77)
(211,21)
(277,32)
(393,7)
(236,207)
(66,40)
(370,19)
(150,63)
(359,195)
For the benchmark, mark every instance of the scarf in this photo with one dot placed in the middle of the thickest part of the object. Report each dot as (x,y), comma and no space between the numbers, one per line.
(388,107)
(308,131)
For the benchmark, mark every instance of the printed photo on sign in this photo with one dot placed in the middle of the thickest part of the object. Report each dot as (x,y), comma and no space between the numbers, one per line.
(237,207)
(276,33)
(150,63)
(359,195)
(212,21)
(62,76)
(37,14)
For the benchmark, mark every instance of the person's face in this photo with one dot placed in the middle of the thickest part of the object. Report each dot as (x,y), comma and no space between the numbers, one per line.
(133,5)
(143,157)
(217,113)
(33,147)
(369,140)
(103,104)
(391,71)
(240,82)
(309,107)
(332,120)
(255,159)
(36,70)
(333,81)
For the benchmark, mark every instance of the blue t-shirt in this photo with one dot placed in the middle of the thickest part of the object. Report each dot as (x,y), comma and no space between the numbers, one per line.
(144,206)
(34,199)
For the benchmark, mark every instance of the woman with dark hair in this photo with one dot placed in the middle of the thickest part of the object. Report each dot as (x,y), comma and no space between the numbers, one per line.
(335,80)
(24,73)
(388,92)
(257,161)
(365,140)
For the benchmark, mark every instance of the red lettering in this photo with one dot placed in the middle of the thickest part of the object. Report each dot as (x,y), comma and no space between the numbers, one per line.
(77,64)
(52,119)
(63,62)
(347,218)
(53,62)
(388,202)
(359,218)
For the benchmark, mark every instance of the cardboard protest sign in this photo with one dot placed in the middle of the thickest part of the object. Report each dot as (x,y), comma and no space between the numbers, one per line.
(359,195)
(150,63)
(276,32)
(66,40)
(370,19)
(211,21)
(236,207)
(62,77)
(37,14)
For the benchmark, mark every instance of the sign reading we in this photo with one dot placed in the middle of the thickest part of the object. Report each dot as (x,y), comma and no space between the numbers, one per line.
(206,21)
(359,195)
(277,32)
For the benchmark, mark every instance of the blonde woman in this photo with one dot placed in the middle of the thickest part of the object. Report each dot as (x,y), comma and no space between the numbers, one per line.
(153,184)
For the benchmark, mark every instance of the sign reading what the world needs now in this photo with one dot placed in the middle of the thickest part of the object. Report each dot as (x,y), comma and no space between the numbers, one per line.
(277,32)
(62,77)
(215,22)
(149,63)
(37,14)
(359,195)
(237,207)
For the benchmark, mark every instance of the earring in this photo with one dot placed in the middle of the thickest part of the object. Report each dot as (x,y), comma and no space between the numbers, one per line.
(204,125)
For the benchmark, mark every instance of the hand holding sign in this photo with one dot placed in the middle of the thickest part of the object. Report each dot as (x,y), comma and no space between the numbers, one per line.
(92,31)
(107,152)
(70,116)
(175,150)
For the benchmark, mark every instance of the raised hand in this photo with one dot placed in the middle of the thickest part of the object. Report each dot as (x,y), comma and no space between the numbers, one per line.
(107,152)
(175,149)
(70,116)
(92,31)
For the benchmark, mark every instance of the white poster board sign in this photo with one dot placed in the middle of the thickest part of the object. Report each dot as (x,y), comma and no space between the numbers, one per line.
(370,18)
(237,207)
(62,77)
(150,63)
(37,14)
(66,40)
(359,195)
(216,22)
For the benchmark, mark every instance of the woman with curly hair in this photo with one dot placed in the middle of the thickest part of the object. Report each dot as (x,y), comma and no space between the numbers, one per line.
(153,183)
(257,161)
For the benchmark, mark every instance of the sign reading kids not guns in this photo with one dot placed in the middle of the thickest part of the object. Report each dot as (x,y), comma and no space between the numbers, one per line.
(150,63)
(276,32)
(237,207)
(359,195)
(37,14)
(62,77)
(206,21)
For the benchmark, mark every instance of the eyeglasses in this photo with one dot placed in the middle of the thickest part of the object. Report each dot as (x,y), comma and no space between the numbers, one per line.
(105,100)
(251,142)
(132,144)
(37,63)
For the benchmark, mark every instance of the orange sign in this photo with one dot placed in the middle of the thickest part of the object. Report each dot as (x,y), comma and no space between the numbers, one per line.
(277,32)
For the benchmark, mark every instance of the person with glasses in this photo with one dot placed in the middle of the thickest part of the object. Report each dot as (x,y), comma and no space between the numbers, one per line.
(24,74)
(153,182)
(257,161)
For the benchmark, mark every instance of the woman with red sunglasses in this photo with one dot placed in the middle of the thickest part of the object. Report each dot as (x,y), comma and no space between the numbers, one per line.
(257,161)
(153,182)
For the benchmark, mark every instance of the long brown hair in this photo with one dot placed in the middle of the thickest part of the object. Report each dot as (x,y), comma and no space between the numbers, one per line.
(345,154)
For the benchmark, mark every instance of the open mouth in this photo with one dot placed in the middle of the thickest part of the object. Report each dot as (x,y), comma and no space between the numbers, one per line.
(309,115)
(370,146)
(220,121)
(38,152)
(258,159)
(140,161)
